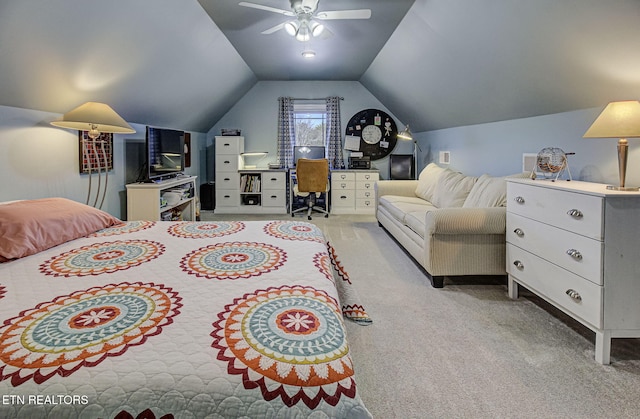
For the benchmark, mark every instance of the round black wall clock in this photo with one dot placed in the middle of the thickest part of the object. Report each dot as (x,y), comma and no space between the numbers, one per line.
(377,132)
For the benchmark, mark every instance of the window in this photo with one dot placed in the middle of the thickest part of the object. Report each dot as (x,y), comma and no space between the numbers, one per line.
(310,121)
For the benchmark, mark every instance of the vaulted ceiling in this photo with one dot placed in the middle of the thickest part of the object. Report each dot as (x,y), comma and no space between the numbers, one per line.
(433,63)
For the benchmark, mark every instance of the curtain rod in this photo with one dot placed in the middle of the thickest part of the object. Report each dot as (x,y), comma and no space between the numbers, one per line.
(304,98)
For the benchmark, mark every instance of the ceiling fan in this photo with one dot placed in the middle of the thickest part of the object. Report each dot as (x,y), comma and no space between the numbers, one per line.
(305,12)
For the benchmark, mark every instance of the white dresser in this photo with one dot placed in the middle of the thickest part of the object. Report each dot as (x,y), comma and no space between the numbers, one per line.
(577,245)
(352,191)
(246,191)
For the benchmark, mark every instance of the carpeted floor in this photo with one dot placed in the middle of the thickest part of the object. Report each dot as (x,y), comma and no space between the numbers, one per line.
(467,350)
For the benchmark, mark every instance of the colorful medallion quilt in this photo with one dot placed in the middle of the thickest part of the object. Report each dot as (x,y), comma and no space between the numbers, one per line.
(180,319)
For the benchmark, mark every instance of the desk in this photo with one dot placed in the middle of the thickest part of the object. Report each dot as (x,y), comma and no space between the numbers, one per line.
(323,201)
(352,191)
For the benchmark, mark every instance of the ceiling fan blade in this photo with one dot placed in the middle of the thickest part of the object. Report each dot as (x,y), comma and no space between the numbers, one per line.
(274,29)
(266,8)
(326,33)
(344,14)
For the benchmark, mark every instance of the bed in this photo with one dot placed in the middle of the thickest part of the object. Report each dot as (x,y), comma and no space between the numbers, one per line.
(105,319)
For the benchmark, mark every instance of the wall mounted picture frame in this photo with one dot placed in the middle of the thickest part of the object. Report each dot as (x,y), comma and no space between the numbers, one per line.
(92,153)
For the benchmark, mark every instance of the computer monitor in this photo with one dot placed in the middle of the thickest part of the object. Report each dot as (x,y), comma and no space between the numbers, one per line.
(307,152)
(401,167)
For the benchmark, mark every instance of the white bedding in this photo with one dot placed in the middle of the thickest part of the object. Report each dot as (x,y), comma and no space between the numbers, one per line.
(190,319)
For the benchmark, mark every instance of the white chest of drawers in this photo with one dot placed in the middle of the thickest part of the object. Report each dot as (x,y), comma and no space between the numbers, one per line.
(577,245)
(352,191)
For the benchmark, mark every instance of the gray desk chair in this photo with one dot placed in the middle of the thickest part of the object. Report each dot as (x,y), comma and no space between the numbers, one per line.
(313,179)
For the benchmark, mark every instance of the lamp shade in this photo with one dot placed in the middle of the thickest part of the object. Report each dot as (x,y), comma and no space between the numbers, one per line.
(405,134)
(617,120)
(96,116)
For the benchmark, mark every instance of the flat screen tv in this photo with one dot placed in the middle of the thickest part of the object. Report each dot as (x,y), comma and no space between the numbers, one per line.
(401,167)
(165,153)
(307,152)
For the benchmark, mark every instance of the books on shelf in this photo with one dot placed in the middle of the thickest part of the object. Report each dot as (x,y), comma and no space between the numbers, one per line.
(250,183)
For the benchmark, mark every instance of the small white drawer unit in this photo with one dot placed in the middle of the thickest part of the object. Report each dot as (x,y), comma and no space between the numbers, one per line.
(274,190)
(352,191)
(227,160)
(576,244)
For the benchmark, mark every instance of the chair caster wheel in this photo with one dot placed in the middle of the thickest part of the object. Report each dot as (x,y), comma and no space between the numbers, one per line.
(326,216)
(293,215)
(309,217)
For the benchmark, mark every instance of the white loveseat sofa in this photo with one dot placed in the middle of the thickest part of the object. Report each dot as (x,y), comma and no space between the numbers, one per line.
(451,224)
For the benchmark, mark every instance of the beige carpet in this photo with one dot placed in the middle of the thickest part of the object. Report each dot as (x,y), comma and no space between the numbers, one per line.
(467,350)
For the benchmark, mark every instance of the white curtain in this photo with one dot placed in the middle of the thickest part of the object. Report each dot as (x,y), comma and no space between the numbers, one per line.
(334,133)
(286,132)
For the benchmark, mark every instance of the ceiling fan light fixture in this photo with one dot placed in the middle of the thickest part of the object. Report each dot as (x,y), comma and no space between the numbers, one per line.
(316,29)
(308,54)
(291,27)
(303,34)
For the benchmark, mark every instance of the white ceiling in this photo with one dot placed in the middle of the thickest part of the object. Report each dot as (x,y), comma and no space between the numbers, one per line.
(345,55)
(448,63)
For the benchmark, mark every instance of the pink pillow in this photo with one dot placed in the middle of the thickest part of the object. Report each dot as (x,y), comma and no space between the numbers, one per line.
(30,226)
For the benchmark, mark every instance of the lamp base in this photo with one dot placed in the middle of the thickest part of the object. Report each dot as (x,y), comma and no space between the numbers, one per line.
(623,188)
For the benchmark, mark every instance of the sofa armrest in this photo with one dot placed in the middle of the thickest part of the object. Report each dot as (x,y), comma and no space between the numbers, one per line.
(396,187)
(466,221)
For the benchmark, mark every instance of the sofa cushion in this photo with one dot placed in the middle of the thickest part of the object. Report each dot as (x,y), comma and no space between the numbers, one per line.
(488,191)
(452,189)
(428,180)
(415,221)
(399,206)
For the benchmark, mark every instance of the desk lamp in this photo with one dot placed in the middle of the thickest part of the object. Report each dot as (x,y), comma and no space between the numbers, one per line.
(261,154)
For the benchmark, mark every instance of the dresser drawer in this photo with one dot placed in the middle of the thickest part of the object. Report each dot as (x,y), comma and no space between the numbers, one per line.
(367,177)
(229,145)
(343,198)
(365,185)
(580,213)
(273,198)
(555,284)
(228,181)
(337,185)
(365,194)
(365,203)
(225,198)
(343,176)
(226,163)
(578,254)
(275,180)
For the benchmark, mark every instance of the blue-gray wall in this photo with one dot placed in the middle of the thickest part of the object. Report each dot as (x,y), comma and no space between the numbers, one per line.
(38,160)
(496,148)
(256,114)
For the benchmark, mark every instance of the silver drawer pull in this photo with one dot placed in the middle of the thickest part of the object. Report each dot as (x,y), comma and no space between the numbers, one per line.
(574,295)
(518,264)
(575,213)
(519,232)
(574,254)
(519,199)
